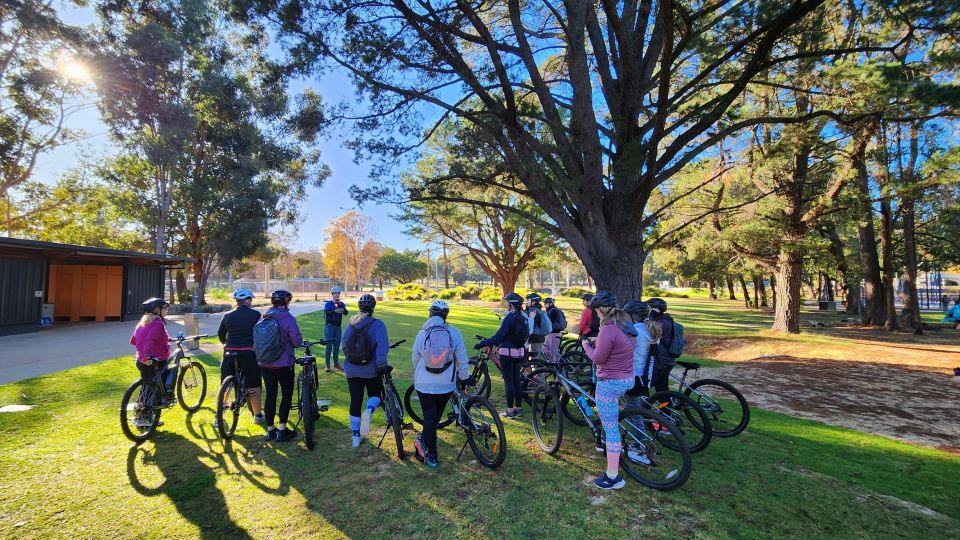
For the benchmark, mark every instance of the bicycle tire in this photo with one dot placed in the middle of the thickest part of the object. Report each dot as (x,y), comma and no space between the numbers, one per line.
(229,390)
(145,395)
(481,373)
(188,376)
(644,458)
(688,416)
(716,412)
(308,409)
(395,422)
(495,442)
(546,418)
(411,400)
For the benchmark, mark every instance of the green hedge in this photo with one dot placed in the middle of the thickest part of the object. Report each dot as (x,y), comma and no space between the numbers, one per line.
(408,291)
(651,292)
(575,292)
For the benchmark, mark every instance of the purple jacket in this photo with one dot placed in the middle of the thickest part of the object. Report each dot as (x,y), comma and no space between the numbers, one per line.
(289,337)
(151,340)
(613,353)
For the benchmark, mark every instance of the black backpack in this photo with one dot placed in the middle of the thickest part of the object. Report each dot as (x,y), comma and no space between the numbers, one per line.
(359,346)
(266,340)
(675,349)
(560,324)
(521,328)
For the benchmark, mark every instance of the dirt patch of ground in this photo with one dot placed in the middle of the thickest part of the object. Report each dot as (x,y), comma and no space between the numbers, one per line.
(907,401)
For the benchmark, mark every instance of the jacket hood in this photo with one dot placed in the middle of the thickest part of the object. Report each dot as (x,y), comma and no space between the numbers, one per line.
(435,320)
(629,330)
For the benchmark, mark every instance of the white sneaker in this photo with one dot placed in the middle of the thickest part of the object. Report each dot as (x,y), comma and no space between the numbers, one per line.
(365,422)
(356,440)
(259,420)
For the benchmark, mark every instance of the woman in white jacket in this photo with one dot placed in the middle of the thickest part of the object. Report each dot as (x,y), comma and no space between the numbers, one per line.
(439,355)
(648,334)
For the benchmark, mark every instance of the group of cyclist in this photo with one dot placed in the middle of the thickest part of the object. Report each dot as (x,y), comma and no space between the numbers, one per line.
(627,344)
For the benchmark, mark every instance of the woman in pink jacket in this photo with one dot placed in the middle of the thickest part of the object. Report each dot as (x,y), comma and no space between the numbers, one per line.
(612,352)
(151,339)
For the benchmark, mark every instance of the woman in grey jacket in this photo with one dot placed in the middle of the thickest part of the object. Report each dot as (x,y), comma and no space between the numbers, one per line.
(439,355)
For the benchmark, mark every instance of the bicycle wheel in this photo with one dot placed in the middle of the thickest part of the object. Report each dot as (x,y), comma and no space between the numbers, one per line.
(191,386)
(530,379)
(481,373)
(411,401)
(484,432)
(139,414)
(308,409)
(228,407)
(687,415)
(725,405)
(570,409)
(654,452)
(547,418)
(578,366)
(395,420)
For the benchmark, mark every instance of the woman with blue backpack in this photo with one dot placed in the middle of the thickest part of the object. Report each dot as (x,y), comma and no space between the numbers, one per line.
(669,346)
(439,355)
(510,340)
(366,345)
(274,338)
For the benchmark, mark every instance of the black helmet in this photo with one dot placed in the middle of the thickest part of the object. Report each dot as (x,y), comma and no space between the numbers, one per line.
(603,299)
(280,297)
(534,298)
(513,299)
(658,304)
(587,297)
(637,310)
(366,303)
(150,305)
(548,300)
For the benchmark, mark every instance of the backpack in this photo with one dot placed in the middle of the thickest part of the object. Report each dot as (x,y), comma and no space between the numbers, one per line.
(438,349)
(266,340)
(675,349)
(560,325)
(543,327)
(594,321)
(359,346)
(522,327)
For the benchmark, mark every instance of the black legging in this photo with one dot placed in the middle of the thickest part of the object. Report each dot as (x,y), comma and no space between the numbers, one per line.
(357,385)
(660,379)
(271,378)
(511,379)
(433,406)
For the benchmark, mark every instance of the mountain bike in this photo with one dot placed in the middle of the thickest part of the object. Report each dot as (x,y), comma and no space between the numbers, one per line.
(481,372)
(144,400)
(231,399)
(725,405)
(655,453)
(476,416)
(306,401)
(393,409)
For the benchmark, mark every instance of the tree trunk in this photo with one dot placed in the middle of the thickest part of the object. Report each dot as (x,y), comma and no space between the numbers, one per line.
(773,284)
(623,276)
(873,283)
(181,286)
(730,292)
(712,287)
(886,245)
(853,299)
(756,292)
(763,291)
(911,308)
(746,293)
(786,317)
(446,267)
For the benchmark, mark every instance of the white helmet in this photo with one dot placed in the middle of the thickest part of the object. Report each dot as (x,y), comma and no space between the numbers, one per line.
(242,294)
(336,290)
(439,307)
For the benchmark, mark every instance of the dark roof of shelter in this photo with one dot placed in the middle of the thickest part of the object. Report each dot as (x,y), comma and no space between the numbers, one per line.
(71,250)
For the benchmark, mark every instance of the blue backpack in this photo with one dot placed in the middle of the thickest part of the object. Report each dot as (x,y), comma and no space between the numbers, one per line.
(266,340)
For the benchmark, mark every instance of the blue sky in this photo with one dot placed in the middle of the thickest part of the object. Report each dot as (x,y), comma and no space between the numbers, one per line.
(321,205)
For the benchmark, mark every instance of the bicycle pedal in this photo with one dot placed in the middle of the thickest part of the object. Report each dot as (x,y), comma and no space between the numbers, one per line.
(408,425)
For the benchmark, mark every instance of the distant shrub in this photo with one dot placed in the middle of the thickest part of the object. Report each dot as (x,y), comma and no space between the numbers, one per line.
(455,293)
(177,309)
(220,293)
(408,291)
(575,292)
(491,294)
(651,292)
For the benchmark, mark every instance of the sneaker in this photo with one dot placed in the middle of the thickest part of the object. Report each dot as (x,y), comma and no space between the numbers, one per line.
(507,414)
(356,441)
(638,457)
(419,451)
(365,422)
(271,435)
(605,482)
(328,370)
(338,368)
(600,446)
(518,413)
(259,420)
(167,400)
(284,435)
(432,462)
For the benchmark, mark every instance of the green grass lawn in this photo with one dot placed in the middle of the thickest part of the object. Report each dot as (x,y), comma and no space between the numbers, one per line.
(67,471)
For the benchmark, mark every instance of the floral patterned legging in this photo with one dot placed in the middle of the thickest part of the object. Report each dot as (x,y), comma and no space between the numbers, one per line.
(609,392)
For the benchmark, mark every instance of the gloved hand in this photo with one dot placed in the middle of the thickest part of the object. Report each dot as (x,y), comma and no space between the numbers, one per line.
(469,381)
(385,370)
(478,346)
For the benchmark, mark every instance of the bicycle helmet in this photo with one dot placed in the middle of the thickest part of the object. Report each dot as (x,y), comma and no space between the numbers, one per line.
(637,310)
(586,297)
(658,304)
(603,299)
(513,299)
(366,303)
(242,294)
(336,290)
(153,303)
(280,297)
(439,308)
(549,300)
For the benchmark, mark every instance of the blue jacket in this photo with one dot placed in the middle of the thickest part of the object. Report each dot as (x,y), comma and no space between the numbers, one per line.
(507,335)
(376,330)
(330,316)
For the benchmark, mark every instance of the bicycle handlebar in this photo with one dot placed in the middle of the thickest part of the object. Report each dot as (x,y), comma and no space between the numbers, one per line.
(306,343)
(478,337)
(178,339)
(397,344)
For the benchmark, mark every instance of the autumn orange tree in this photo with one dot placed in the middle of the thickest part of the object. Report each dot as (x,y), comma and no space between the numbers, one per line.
(350,252)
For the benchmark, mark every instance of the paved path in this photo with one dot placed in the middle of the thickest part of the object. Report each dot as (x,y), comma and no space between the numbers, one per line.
(69,345)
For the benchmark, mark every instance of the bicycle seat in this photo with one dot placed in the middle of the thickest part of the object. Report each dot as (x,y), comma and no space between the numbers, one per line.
(688,365)
(306,360)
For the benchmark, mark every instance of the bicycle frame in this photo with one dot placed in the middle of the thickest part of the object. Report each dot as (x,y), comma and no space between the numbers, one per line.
(574,390)
(683,384)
